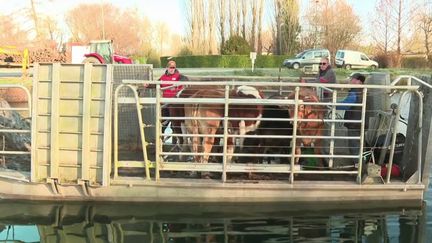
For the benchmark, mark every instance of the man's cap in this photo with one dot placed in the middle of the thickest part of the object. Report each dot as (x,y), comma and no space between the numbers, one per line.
(359,76)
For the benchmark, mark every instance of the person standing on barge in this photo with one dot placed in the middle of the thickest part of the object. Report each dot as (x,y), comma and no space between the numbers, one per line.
(355,95)
(170,90)
(326,75)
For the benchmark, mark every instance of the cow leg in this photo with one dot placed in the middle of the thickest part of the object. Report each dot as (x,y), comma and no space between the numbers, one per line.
(195,148)
(318,150)
(230,149)
(208,144)
(297,152)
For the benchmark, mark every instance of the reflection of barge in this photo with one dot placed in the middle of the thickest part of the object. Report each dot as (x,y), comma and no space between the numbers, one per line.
(149,222)
(73,140)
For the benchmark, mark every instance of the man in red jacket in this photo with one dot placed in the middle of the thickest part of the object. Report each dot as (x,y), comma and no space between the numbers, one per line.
(170,90)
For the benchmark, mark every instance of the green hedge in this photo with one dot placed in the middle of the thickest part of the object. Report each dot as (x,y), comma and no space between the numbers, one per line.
(226,61)
(415,62)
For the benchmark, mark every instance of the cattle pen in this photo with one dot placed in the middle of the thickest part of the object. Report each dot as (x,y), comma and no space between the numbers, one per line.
(96,135)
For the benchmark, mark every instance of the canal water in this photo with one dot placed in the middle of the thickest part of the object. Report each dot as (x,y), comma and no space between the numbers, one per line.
(56,222)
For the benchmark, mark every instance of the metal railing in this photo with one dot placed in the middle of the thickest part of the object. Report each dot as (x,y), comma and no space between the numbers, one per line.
(10,130)
(224,167)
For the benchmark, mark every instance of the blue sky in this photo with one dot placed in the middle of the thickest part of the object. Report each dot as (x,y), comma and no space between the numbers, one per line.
(169,11)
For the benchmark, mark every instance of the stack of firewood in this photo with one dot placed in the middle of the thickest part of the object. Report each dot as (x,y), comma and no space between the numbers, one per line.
(37,55)
(10,58)
(47,55)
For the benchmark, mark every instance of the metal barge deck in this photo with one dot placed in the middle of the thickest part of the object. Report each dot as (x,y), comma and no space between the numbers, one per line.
(81,147)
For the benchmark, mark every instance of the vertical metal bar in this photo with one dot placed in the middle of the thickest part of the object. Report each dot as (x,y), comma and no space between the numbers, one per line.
(332,129)
(294,138)
(420,138)
(115,154)
(362,127)
(225,136)
(86,118)
(142,134)
(158,142)
(106,157)
(54,121)
(34,125)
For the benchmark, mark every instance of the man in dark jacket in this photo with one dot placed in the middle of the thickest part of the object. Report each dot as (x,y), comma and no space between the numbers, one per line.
(355,95)
(326,75)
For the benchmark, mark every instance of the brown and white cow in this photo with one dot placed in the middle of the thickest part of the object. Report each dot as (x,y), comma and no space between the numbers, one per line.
(211,127)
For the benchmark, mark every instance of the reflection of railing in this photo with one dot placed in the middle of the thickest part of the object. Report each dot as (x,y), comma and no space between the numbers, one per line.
(218,223)
(160,165)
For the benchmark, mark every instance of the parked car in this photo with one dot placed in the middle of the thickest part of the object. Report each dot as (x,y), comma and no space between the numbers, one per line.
(354,59)
(306,58)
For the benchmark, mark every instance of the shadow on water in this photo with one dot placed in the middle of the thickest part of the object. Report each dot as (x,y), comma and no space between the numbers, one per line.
(165,222)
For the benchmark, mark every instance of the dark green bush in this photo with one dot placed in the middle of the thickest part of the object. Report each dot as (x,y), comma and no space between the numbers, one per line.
(384,61)
(270,61)
(415,62)
(236,45)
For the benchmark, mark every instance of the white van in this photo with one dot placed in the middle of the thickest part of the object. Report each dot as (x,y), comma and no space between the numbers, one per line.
(307,58)
(354,59)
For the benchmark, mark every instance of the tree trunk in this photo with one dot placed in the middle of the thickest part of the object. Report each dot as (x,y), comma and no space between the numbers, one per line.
(260,17)
(211,32)
(231,17)
(254,23)
(222,22)
(399,35)
(35,19)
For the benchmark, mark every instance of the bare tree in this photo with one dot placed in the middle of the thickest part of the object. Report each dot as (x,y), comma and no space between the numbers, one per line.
(244,14)
(212,25)
(195,25)
(287,28)
(35,19)
(337,24)
(11,33)
(238,19)
(398,17)
(254,23)
(231,12)
(382,22)
(122,26)
(425,25)
(260,22)
(222,20)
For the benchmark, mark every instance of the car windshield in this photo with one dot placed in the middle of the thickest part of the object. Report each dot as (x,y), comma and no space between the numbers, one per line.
(340,54)
(300,54)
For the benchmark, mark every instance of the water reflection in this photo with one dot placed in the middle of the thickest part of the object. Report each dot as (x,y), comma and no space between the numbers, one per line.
(206,223)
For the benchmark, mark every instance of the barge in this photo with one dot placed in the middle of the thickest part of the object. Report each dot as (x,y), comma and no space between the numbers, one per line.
(96,136)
